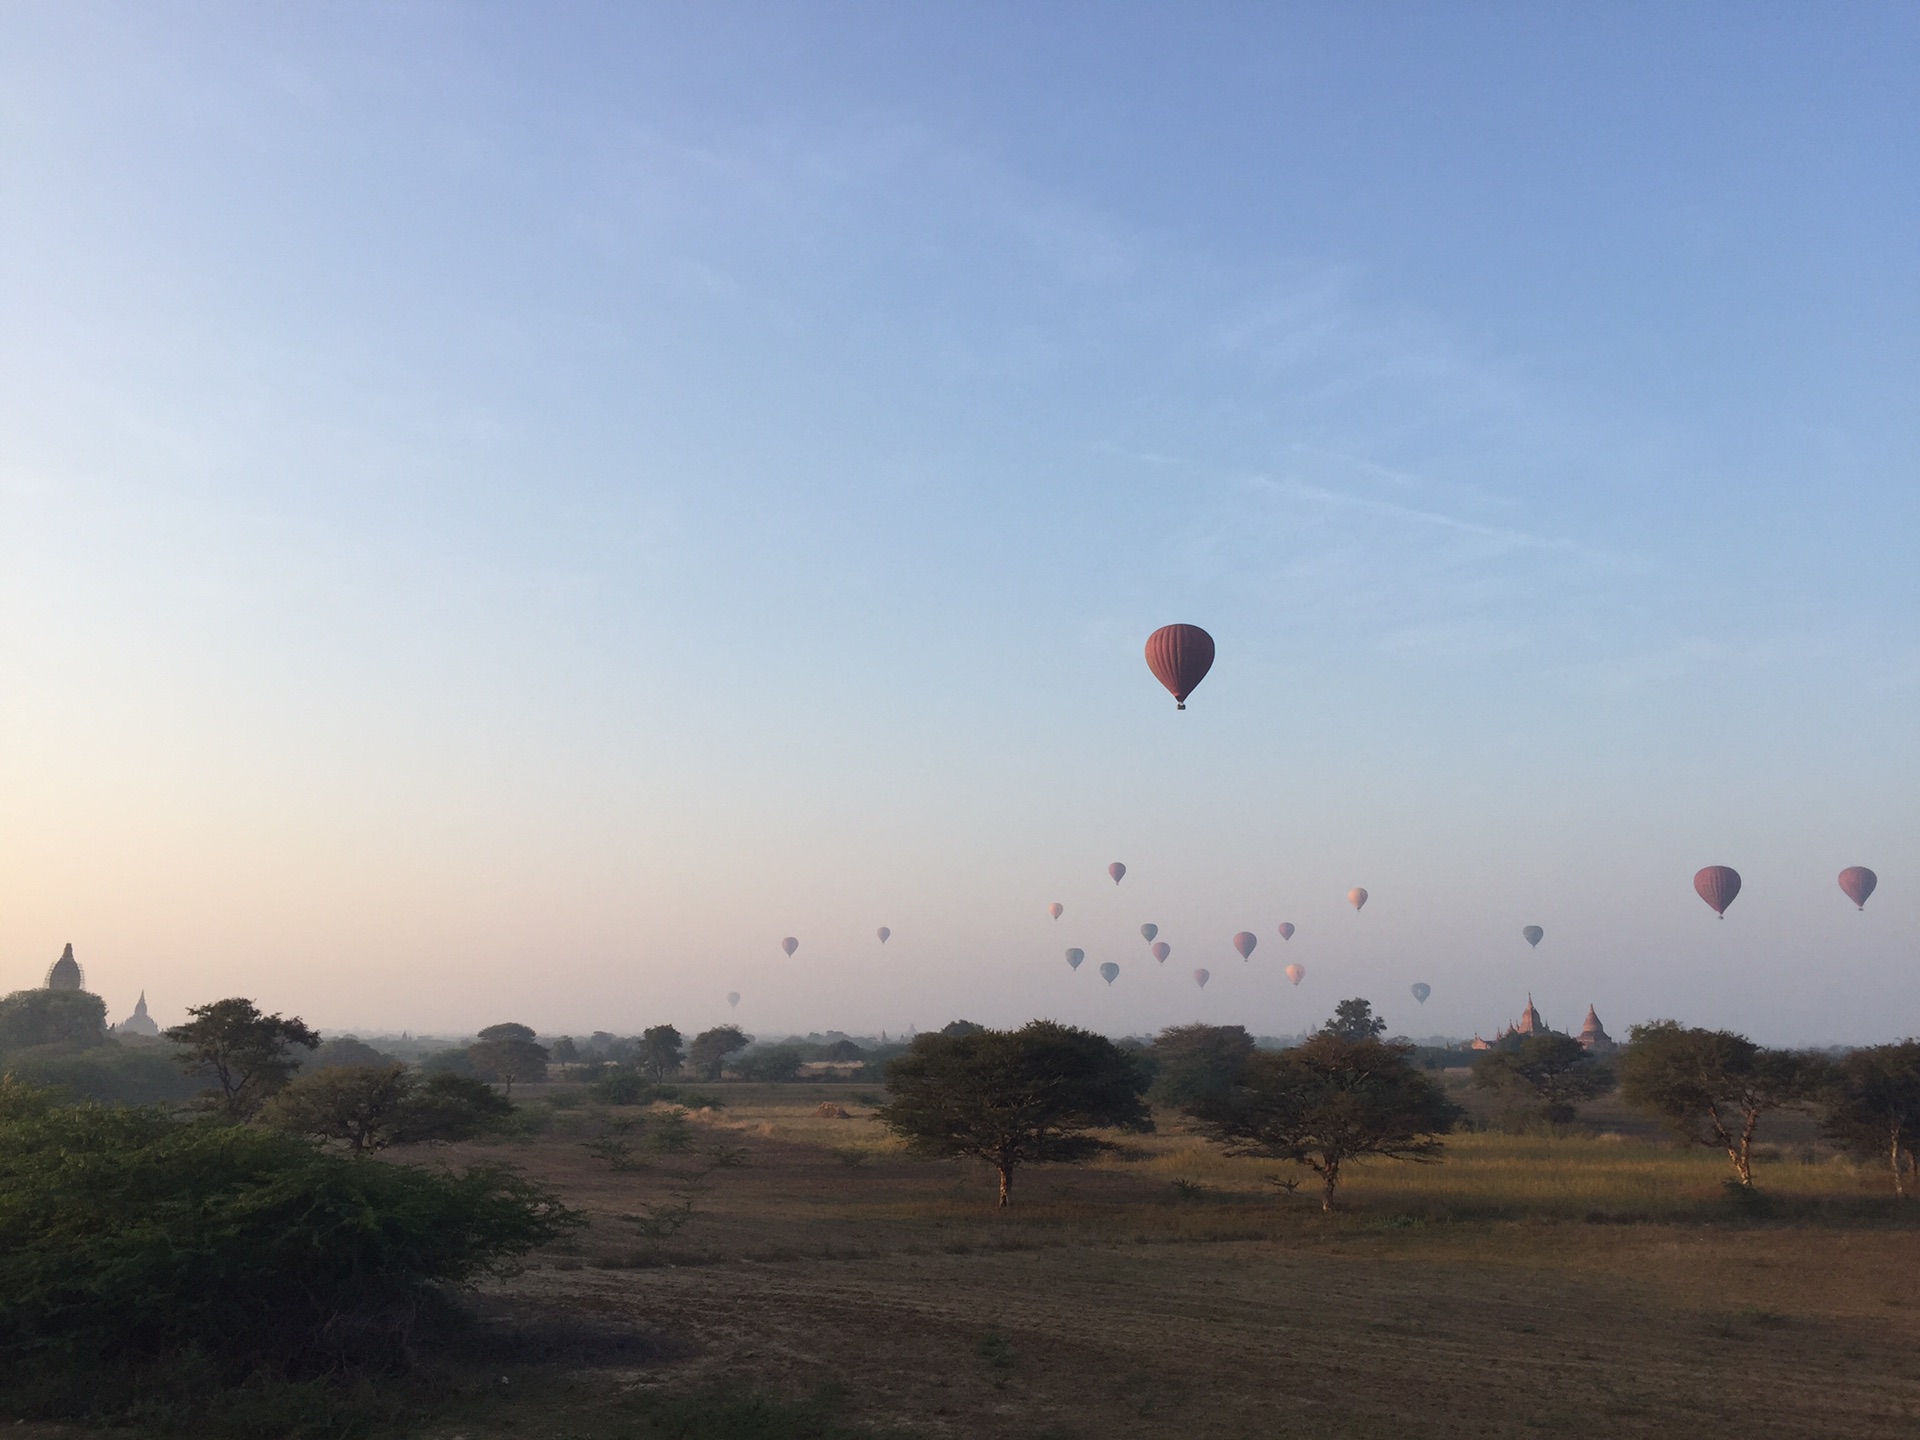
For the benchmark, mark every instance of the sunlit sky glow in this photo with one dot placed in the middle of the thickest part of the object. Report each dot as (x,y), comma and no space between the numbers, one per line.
(507,511)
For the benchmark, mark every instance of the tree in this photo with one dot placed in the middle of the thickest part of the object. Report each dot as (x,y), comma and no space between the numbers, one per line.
(1331,1101)
(955,1028)
(1872,1100)
(1011,1098)
(508,1053)
(565,1052)
(1193,1062)
(708,1054)
(372,1107)
(660,1051)
(1711,1086)
(1554,1072)
(52,1017)
(247,1055)
(1354,1020)
(344,1050)
(773,1063)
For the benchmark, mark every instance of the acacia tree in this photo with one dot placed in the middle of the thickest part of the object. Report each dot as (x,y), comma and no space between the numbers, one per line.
(1711,1086)
(660,1051)
(1192,1062)
(710,1049)
(247,1055)
(1014,1097)
(1354,1020)
(1328,1102)
(508,1053)
(370,1107)
(1872,1100)
(1556,1072)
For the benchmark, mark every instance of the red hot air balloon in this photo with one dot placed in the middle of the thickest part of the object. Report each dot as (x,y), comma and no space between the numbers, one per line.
(1356,897)
(1056,909)
(1117,871)
(1180,656)
(789,944)
(1161,950)
(1296,973)
(1717,885)
(1244,943)
(1200,978)
(1286,930)
(1858,882)
(883,932)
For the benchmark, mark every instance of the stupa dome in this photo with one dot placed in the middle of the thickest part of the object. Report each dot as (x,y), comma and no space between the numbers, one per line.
(66,973)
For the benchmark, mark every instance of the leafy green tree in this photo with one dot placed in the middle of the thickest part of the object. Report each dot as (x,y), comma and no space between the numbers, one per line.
(30,1018)
(1354,1020)
(1872,1103)
(1551,1072)
(707,1056)
(247,1055)
(770,1063)
(372,1107)
(1193,1062)
(1012,1098)
(1711,1086)
(953,1029)
(660,1051)
(340,1050)
(565,1052)
(1329,1102)
(508,1053)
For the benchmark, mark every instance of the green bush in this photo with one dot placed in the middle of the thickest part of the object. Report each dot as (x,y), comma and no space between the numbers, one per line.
(111,1074)
(622,1087)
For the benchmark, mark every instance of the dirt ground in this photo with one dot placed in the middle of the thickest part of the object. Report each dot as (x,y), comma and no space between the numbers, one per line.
(1126,1300)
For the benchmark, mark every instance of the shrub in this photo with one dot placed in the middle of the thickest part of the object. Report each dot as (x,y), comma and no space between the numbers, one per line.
(621,1087)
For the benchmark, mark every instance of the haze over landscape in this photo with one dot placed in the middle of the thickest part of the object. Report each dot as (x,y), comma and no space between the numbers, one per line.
(509,512)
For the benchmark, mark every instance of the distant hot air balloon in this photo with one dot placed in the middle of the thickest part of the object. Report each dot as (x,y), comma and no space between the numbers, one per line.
(1296,973)
(1200,978)
(1421,991)
(1356,897)
(1533,934)
(1286,930)
(1858,882)
(1180,656)
(1074,957)
(1161,950)
(883,932)
(733,999)
(1717,885)
(1147,932)
(1109,971)
(1118,871)
(1056,909)
(1244,943)
(789,944)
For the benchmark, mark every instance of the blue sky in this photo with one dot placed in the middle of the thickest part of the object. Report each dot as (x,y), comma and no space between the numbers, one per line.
(511,510)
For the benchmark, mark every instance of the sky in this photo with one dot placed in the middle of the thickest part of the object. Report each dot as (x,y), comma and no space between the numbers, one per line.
(508,511)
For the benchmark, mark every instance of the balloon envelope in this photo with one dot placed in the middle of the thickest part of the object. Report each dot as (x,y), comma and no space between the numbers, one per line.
(1296,973)
(1118,871)
(1421,991)
(1286,930)
(733,998)
(1161,950)
(1717,885)
(883,932)
(1244,943)
(1858,882)
(1147,932)
(1200,978)
(1074,957)
(1533,934)
(789,944)
(1055,909)
(1109,971)
(1180,656)
(1356,897)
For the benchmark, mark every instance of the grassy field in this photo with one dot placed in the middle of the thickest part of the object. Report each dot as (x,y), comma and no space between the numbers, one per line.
(1597,1284)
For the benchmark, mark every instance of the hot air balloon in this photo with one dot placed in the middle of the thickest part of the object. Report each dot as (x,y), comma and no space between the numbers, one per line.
(1147,932)
(883,932)
(1244,943)
(1533,934)
(1296,973)
(1858,882)
(1055,909)
(1161,950)
(1074,957)
(1180,656)
(1118,871)
(1286,930)
(1200,978)
(1109,971)
(1356,897)
(1421,991)
(789,944)
(1717,885)
(733,999)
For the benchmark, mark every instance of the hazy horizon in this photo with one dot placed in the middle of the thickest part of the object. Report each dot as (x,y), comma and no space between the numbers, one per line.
(507,513)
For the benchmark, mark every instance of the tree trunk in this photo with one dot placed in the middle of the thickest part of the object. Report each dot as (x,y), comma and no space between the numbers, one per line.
(1330,1173)
(1006,1183)
(1899,1184)
(1744,1165)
